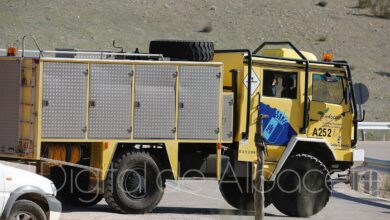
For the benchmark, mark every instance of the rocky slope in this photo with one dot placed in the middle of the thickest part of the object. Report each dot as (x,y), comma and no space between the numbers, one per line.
(351,33)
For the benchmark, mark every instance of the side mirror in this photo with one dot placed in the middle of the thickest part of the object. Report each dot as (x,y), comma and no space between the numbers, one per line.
(361,96)
(361,93)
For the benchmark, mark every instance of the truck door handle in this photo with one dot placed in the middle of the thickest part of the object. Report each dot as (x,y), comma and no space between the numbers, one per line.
(92,103)
(137,104)
(45,103)
(181,105)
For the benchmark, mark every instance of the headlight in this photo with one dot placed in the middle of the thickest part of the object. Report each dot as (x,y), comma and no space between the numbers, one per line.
(53,187)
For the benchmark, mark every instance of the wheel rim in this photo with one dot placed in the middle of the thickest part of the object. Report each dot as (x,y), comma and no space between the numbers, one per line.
(134,183)
(24,216)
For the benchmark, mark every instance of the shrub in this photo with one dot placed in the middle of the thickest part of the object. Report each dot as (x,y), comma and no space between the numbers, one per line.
(364,3)
(322,3)
(379,8)
(322,38)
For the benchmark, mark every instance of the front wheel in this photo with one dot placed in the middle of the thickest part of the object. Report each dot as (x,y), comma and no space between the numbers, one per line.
(134,185)
(233,191)
(26,209)
(302,187)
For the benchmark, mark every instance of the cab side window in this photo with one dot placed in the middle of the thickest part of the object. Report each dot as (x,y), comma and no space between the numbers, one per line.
(280,84)
(326,90)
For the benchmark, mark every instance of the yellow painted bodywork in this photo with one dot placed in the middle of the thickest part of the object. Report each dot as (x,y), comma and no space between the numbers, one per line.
(287,53)
(340,141)
(29,72)
(102,156)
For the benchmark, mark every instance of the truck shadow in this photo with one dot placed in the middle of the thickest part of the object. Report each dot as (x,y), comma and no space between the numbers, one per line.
(365,201)
(102,208)
(206,211)
(95,208)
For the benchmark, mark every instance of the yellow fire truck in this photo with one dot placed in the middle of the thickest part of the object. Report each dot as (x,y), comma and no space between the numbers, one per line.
(118,125)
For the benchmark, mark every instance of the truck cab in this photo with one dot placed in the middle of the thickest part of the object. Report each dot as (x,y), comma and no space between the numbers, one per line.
(310,120)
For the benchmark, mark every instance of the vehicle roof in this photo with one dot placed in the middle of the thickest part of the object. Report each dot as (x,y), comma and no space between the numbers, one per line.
(287,53)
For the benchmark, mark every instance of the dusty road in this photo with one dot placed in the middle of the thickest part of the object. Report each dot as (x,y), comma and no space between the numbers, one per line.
(202,200)
(195,199)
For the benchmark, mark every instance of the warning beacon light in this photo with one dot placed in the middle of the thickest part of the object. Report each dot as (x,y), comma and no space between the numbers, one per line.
(327,56)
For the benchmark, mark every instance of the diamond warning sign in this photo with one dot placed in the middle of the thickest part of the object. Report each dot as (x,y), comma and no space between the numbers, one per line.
(255,82)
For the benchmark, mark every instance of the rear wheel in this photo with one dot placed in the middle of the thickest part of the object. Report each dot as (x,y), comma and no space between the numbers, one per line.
(134,185)
(302,187)
(72,184)
(183,50)
(27,210)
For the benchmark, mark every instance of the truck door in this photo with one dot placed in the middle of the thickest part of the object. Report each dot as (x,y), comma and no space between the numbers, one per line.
(64,98)
(10,90)
(280,101)
(330,115)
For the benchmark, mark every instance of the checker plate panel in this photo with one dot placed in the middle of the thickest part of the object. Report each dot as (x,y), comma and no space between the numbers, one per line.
(64,90)
(199,90)
(154,108)
(9,104)
(110,91)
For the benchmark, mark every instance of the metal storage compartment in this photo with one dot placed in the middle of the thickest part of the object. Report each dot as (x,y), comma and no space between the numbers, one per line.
(154,104)
(64,100)
(227,117)
(10,87)
(199,93)
(110,101)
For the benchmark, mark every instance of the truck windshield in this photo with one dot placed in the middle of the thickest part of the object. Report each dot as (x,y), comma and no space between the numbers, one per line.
(328,91)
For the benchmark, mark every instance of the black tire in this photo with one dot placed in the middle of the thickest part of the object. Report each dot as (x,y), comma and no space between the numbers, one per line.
(310,175)
(183,50)
(26,208)
(73,190)
(130,188)
(237,198)
(79,199)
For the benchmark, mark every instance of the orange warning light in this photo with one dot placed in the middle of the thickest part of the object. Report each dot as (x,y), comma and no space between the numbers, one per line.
(327,56)
(11,51)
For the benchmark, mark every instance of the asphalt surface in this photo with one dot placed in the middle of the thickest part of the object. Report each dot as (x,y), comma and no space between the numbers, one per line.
(195,199)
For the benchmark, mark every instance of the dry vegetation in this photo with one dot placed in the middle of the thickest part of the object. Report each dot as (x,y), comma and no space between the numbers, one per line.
(379,8)
(351,33)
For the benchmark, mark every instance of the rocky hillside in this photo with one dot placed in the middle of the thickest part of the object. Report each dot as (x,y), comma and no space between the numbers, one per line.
(351,33)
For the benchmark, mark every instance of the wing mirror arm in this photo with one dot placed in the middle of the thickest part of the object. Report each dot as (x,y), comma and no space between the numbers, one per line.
(363,116)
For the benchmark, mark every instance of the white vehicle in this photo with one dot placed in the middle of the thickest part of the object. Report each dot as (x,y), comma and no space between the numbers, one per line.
(25,195)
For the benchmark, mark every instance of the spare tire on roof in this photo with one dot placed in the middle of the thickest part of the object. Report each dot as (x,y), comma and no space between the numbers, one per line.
(183,50)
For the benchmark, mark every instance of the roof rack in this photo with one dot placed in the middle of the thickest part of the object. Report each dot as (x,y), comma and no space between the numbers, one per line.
(73,52)
(101,54)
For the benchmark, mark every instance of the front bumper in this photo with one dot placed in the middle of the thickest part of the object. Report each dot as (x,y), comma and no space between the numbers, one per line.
(358,157)
(55,208)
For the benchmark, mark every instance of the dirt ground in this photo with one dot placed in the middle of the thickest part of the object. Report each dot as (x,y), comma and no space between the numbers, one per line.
(350,33)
